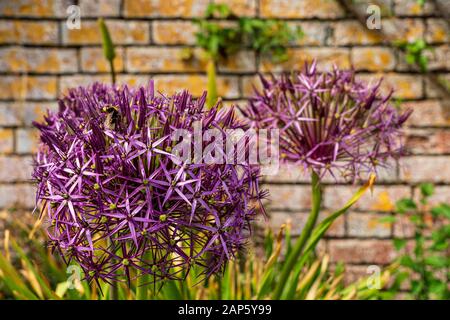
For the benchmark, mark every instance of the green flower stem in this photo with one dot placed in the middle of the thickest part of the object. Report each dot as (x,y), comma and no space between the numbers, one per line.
(112,71)
(297,249)
(142,282)
(212,82)
(113,288)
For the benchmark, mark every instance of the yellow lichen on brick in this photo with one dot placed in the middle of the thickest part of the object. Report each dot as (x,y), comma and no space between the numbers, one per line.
(18,32)
(6,141)
(42,8)
(404,86)
(383,202)
(437,31)
(28,87)
(196,84)
(326,57)
(153,59)
(155,8)
(122,32)
(93,60)
(373,59)
(174,32)
(300,8)
(351,32)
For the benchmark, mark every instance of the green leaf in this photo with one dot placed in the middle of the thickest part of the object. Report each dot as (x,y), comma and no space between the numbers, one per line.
(437,261)
(405,205)
(408,262)
(387,219)
(399,243)
(442,210)
(427,189)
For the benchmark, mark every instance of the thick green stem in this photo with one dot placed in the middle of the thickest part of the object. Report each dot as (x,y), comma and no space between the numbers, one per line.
(212,82)
(297,249)
(113,72)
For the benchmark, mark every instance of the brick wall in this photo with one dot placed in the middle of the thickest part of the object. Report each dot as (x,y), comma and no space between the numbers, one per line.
(40,58)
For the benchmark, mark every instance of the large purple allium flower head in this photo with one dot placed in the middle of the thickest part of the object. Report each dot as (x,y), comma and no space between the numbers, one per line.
(121,204)
(329,121)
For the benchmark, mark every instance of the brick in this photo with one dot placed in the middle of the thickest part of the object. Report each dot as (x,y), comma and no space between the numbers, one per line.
(289,173)
(289,197)
(403,227)
(248,83)
(298,221)
(353,33)
(174,32)
(425,169)
(23,113)
(413,8)
(227,86)
(404,86)
(384,5)
(362,251)
(403,29)
(51,60)
(6,141)
(382,199)
(13,59)
(99,8)
(26,141)
(437,60)
(93,60)
(241,8)
(437,31)
(133,80)
(32,8)
(164,8)
(433,91)
(28,32)
(373,59)
(17,196)
(242,61)
(122,32)
(160,59)
(314,32)
(427,113)
(363,225)
(421,141)
(15,168)
(441,195)
(326,58)
(301,9)
(9,114)
(28,87)
(16,59)
(74,81)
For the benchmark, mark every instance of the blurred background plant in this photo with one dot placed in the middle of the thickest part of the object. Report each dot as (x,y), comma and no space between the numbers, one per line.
(425,261)
(221,34)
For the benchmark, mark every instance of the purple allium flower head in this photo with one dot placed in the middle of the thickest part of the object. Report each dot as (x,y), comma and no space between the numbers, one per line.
(329,122)
(120,204)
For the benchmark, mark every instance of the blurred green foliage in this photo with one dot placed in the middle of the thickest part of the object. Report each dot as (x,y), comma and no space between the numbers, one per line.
(424,261)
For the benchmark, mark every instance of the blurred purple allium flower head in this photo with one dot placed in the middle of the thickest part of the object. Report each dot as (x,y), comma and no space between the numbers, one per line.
(329,122)
(120,204)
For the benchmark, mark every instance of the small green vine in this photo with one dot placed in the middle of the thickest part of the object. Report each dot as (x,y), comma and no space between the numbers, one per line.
(221,34)
(415,53)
